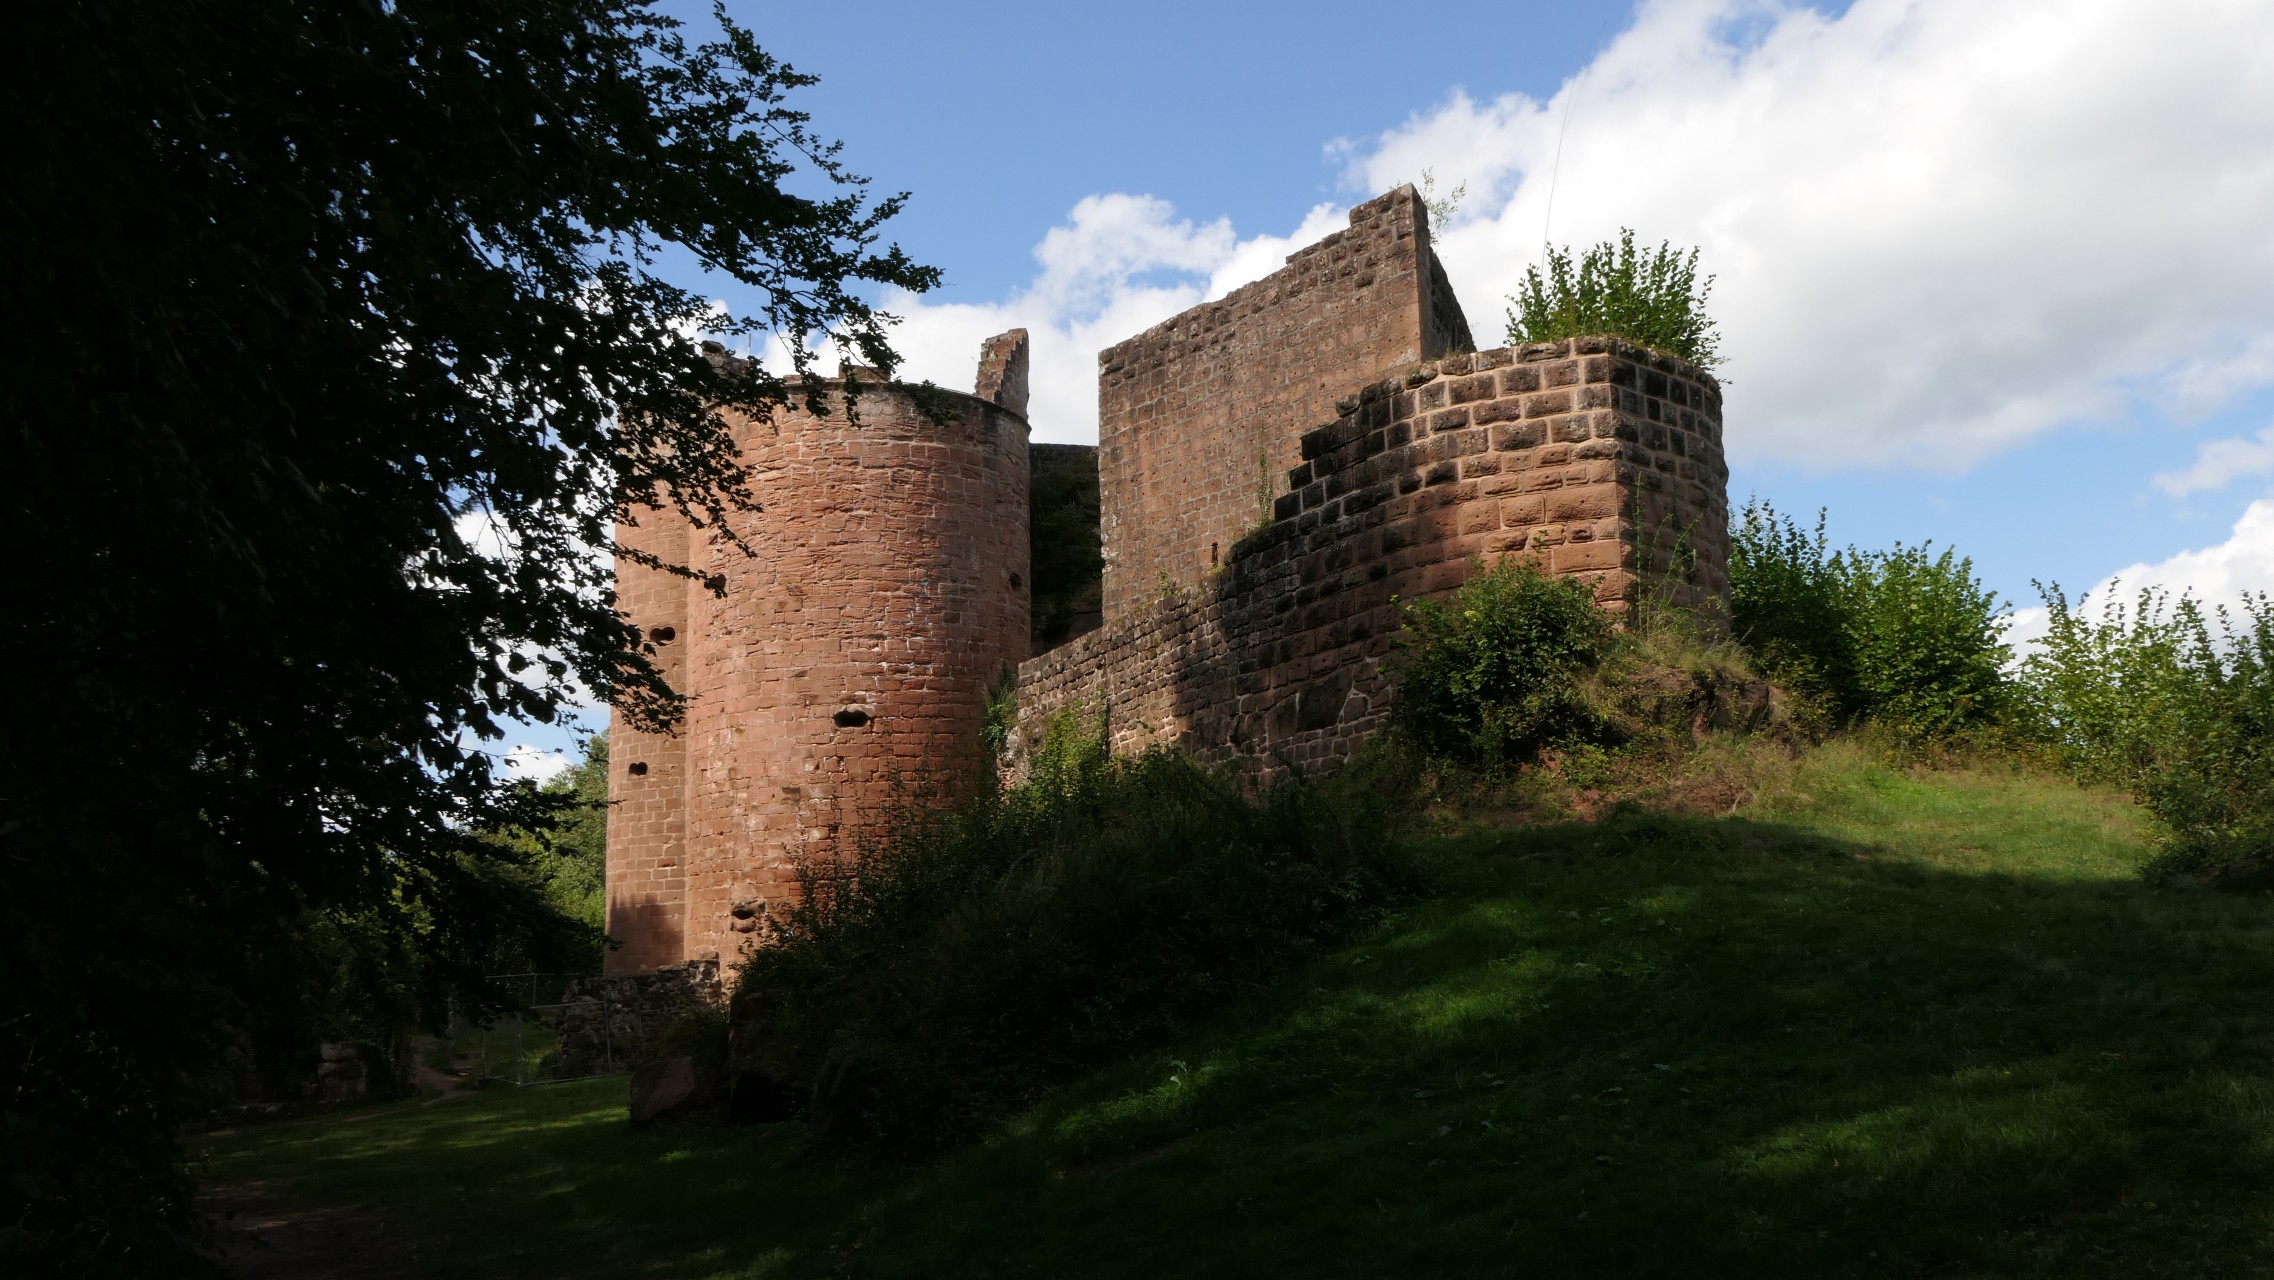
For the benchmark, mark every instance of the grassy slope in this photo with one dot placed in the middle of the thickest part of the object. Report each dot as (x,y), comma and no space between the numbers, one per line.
(1891,1025)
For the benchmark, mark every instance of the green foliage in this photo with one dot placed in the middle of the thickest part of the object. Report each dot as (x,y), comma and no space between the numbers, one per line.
(1787,603)
(1912,1023)
(1067,560)
(1493,674)
(568,863)
(1906,637)
(1441,207)
(2176,704)
(344,342)
(1927,640)
(961,963)
(1651,297)
(1000,715)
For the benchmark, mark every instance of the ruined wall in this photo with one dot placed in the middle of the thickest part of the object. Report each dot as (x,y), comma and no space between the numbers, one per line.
(1198,417)
(1600,458)
(647,775)
(846,663)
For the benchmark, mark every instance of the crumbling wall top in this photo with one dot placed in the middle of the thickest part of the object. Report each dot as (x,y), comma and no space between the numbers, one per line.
(1198,417)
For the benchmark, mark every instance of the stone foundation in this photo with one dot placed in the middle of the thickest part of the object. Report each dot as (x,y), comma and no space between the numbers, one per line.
(617,1023)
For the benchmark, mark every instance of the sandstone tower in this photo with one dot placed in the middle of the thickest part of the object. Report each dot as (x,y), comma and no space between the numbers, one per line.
(849,657)
(1275,471)
(1280,467)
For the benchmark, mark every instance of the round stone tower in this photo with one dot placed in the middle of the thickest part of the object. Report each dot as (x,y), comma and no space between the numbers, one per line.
(844,670)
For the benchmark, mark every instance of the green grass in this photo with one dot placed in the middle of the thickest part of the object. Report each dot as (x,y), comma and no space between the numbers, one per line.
(1889,1024)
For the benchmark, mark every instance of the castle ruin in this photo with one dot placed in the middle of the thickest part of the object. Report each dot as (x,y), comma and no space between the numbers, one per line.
(1276,469)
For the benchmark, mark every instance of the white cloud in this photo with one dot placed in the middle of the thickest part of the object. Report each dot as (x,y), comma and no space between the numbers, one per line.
(1940,226)
(536,764)
(1119,265)
(2215,575)
(2220,463)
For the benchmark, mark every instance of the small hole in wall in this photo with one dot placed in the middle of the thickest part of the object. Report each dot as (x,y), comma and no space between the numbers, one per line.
(1212,561)
(1017,582)
(638,768)
(851,719)
(662,635)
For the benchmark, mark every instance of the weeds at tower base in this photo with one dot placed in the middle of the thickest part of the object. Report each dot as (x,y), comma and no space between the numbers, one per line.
(951,970)
(948,971)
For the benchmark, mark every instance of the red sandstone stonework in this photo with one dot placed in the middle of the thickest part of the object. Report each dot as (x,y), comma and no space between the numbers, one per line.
(844,667)
(1600,459)
(1198,416)
(1277,469)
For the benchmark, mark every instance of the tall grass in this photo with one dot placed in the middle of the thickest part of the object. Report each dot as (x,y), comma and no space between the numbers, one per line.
(952,969)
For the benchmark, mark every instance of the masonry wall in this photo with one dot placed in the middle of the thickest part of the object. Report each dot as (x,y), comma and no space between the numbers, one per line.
(843,670)
(647,777)
(1601,459)
(1198,417)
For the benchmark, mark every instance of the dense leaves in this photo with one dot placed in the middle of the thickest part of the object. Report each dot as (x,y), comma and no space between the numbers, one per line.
(1649,296)
(338,340)
(1491,674)
(2176,703)
(1906,637)
(959,964)
(567,865)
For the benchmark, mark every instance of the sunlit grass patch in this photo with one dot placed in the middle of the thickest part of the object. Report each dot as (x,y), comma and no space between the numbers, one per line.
(1884,1021)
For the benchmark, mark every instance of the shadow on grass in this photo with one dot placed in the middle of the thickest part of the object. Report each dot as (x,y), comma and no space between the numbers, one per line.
(1655,1046)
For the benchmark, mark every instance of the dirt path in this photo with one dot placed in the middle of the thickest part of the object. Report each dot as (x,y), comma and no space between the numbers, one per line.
(267,1237)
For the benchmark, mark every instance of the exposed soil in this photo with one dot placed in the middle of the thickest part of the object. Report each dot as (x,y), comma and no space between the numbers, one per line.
(265,1236)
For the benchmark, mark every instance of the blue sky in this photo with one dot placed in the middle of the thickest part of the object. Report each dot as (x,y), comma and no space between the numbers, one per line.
(1995,273)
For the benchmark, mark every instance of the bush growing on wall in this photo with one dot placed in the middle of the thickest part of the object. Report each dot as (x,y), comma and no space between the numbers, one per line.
(1906,637)
(1493,674)
(956,966)
(2174,703)
(1652,297)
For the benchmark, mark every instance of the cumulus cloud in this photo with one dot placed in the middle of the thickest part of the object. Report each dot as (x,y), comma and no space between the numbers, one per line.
(1940,226)
(2220,463)
(1117,266)
(535,764)
(2219,574)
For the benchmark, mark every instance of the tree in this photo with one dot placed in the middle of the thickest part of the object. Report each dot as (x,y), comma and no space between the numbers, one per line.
(340,334)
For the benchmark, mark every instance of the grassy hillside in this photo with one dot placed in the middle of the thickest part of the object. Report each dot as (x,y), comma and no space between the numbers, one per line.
(1877,1022)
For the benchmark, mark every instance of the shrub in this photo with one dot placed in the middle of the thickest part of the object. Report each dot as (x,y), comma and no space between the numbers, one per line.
(1927,640)
(960,963)
(1493,674)
(2175,704)
(1787,606)
(1906,637)
(1651,297)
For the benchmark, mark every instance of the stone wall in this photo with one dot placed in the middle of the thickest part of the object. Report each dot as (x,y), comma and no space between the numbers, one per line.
(1198,416)
(846,663)
(647,776)
(617,1023)
(1601,459)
